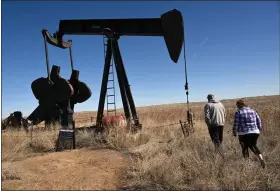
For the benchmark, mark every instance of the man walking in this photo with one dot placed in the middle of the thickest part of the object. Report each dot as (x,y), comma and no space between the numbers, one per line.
(214,112)
(248,125)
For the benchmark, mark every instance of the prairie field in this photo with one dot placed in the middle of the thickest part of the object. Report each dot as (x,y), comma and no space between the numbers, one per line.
(157,158)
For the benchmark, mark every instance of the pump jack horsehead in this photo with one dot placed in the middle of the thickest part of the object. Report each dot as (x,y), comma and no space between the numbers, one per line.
(169,25)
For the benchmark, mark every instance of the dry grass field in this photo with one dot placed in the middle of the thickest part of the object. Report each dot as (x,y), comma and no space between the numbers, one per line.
(157,158)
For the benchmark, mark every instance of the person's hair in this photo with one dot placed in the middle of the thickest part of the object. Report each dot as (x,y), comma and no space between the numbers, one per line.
(241,103)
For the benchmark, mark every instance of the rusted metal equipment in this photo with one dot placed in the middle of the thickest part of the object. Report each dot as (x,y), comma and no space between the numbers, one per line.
(169,25)
(15,121)
(57,96)
(114,121)
(188,126)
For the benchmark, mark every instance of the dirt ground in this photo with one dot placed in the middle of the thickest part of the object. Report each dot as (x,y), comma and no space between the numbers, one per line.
(77,169)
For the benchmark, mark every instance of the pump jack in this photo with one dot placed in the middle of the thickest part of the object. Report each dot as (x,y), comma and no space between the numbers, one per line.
(169,25)
(57,96)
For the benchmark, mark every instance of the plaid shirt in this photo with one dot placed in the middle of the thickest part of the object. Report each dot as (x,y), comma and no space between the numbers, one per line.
(246,120)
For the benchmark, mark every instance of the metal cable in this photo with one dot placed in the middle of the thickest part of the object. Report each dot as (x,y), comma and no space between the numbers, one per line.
(186,75)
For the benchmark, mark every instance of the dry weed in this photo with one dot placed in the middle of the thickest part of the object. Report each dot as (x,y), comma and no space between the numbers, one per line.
(18,145)
(169,161)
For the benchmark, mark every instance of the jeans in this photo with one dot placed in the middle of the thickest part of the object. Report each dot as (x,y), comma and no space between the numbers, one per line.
(216,134)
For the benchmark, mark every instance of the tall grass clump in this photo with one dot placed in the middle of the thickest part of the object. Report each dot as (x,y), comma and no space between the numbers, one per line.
(17,144)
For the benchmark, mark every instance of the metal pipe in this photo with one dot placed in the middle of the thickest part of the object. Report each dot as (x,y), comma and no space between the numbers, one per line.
(47,57)
(71,57)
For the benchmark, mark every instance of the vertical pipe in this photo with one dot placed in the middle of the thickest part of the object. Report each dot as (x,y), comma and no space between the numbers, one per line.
(186,76)
(71,58)
(47,56)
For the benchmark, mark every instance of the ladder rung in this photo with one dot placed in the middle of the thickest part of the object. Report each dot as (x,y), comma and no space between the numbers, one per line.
(111,103)
(111,72)
(110,88)
(111,110)
(110,95)
(110,80)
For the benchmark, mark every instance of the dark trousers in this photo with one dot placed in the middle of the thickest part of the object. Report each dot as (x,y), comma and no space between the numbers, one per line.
(216,134)
(249,141)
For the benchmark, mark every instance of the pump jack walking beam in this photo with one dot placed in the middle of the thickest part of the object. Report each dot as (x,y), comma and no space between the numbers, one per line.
(169,25)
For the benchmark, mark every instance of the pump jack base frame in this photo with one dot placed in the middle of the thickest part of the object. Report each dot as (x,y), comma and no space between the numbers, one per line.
(113,51)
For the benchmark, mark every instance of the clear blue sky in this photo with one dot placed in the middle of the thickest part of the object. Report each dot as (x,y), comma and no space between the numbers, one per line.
(232,51)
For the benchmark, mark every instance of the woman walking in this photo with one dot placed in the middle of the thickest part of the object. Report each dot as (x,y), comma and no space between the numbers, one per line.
(248,125)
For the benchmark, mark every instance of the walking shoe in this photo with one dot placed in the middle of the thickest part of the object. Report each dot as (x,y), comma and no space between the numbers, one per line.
(263,163)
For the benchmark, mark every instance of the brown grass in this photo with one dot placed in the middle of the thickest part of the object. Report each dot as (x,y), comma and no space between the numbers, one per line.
(168,161)
(17,145)
(162,157)
(192,164)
